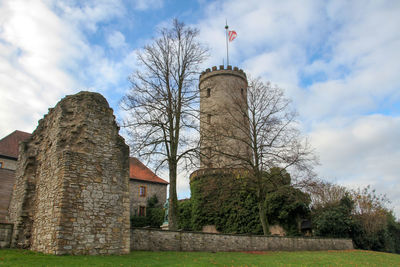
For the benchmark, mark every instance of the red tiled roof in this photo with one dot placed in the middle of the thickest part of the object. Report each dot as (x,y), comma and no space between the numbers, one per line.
(9,144)
(138,171)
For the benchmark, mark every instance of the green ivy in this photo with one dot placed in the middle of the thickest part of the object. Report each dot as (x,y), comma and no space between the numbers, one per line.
(185,214)
(287,206)
(224,200)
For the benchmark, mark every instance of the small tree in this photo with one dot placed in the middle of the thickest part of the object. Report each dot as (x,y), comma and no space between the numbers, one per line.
(334,220)
(325,194)
(155,212)
(285,204)
(267,127)
(161,102)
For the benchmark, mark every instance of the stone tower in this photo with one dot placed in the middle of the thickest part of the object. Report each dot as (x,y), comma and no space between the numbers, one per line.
(224,126)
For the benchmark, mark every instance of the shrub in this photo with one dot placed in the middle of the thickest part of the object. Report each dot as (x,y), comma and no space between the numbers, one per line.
(185,214)
(154,215)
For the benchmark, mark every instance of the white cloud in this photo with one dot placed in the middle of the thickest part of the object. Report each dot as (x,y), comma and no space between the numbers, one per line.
(148,4)
(363,152)
(31,53)
(116,40)
(45,53)
(87,14)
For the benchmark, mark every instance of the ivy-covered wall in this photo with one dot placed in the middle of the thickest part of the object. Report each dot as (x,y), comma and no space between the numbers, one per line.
(220,198)
(224,198)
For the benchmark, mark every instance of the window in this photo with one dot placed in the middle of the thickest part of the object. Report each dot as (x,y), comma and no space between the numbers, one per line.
(142,211)
(242,91)
(142,191)
(1,164)
(209,118)
(208,92)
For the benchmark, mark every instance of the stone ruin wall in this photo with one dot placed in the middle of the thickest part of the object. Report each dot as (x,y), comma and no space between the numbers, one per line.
(71,194)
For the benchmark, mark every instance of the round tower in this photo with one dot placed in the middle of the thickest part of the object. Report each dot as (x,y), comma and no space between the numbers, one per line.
(224,126)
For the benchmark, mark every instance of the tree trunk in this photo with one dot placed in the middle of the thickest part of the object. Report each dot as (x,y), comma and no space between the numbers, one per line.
(173,199)
(263,217)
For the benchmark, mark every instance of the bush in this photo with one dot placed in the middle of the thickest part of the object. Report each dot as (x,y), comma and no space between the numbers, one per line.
(334,220)
(138,221)
(155,212)
(154,215)
(185,214)
(287,206)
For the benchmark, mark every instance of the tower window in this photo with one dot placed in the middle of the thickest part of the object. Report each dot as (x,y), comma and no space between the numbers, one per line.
(242,91)
(209,118)
(1,164)
(208,92)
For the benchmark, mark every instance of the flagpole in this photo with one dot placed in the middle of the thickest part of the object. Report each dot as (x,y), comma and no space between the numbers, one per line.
(227,54)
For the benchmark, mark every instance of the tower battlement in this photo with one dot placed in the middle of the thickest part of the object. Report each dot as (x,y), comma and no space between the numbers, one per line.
(214,71)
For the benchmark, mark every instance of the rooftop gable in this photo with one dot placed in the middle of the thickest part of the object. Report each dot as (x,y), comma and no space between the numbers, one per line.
(9,144)
(138,171)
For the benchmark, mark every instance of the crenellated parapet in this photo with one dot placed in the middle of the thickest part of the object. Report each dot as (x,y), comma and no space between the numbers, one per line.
(214,71)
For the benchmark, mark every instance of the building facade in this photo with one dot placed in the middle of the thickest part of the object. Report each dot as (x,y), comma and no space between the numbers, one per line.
(143,185)
(8,165)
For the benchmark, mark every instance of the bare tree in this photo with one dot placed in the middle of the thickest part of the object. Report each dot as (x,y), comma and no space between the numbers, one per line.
(267,126)
(325,194)
(161,102)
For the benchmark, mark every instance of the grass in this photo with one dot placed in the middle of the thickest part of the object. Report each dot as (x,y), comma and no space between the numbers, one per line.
(13,257)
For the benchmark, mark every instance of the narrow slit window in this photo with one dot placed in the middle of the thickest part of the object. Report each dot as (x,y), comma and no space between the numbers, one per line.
(208,92)
(208,118)
(242,91)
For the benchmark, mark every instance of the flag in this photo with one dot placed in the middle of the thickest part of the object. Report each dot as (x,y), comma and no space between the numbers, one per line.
(232,35)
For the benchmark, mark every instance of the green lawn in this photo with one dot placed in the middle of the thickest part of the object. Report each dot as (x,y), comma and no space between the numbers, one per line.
(12,257)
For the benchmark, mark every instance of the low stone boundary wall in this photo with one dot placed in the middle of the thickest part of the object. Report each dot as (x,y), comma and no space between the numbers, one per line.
(5,234)
(160,240)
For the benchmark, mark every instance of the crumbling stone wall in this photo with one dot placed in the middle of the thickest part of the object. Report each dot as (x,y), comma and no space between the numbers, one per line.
(71,194)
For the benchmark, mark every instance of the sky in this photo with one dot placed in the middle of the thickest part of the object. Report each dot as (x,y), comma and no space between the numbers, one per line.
(339,61)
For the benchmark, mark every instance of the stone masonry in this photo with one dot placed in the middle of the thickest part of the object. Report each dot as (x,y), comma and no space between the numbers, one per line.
(71,194)
(159,240)
(224,128)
